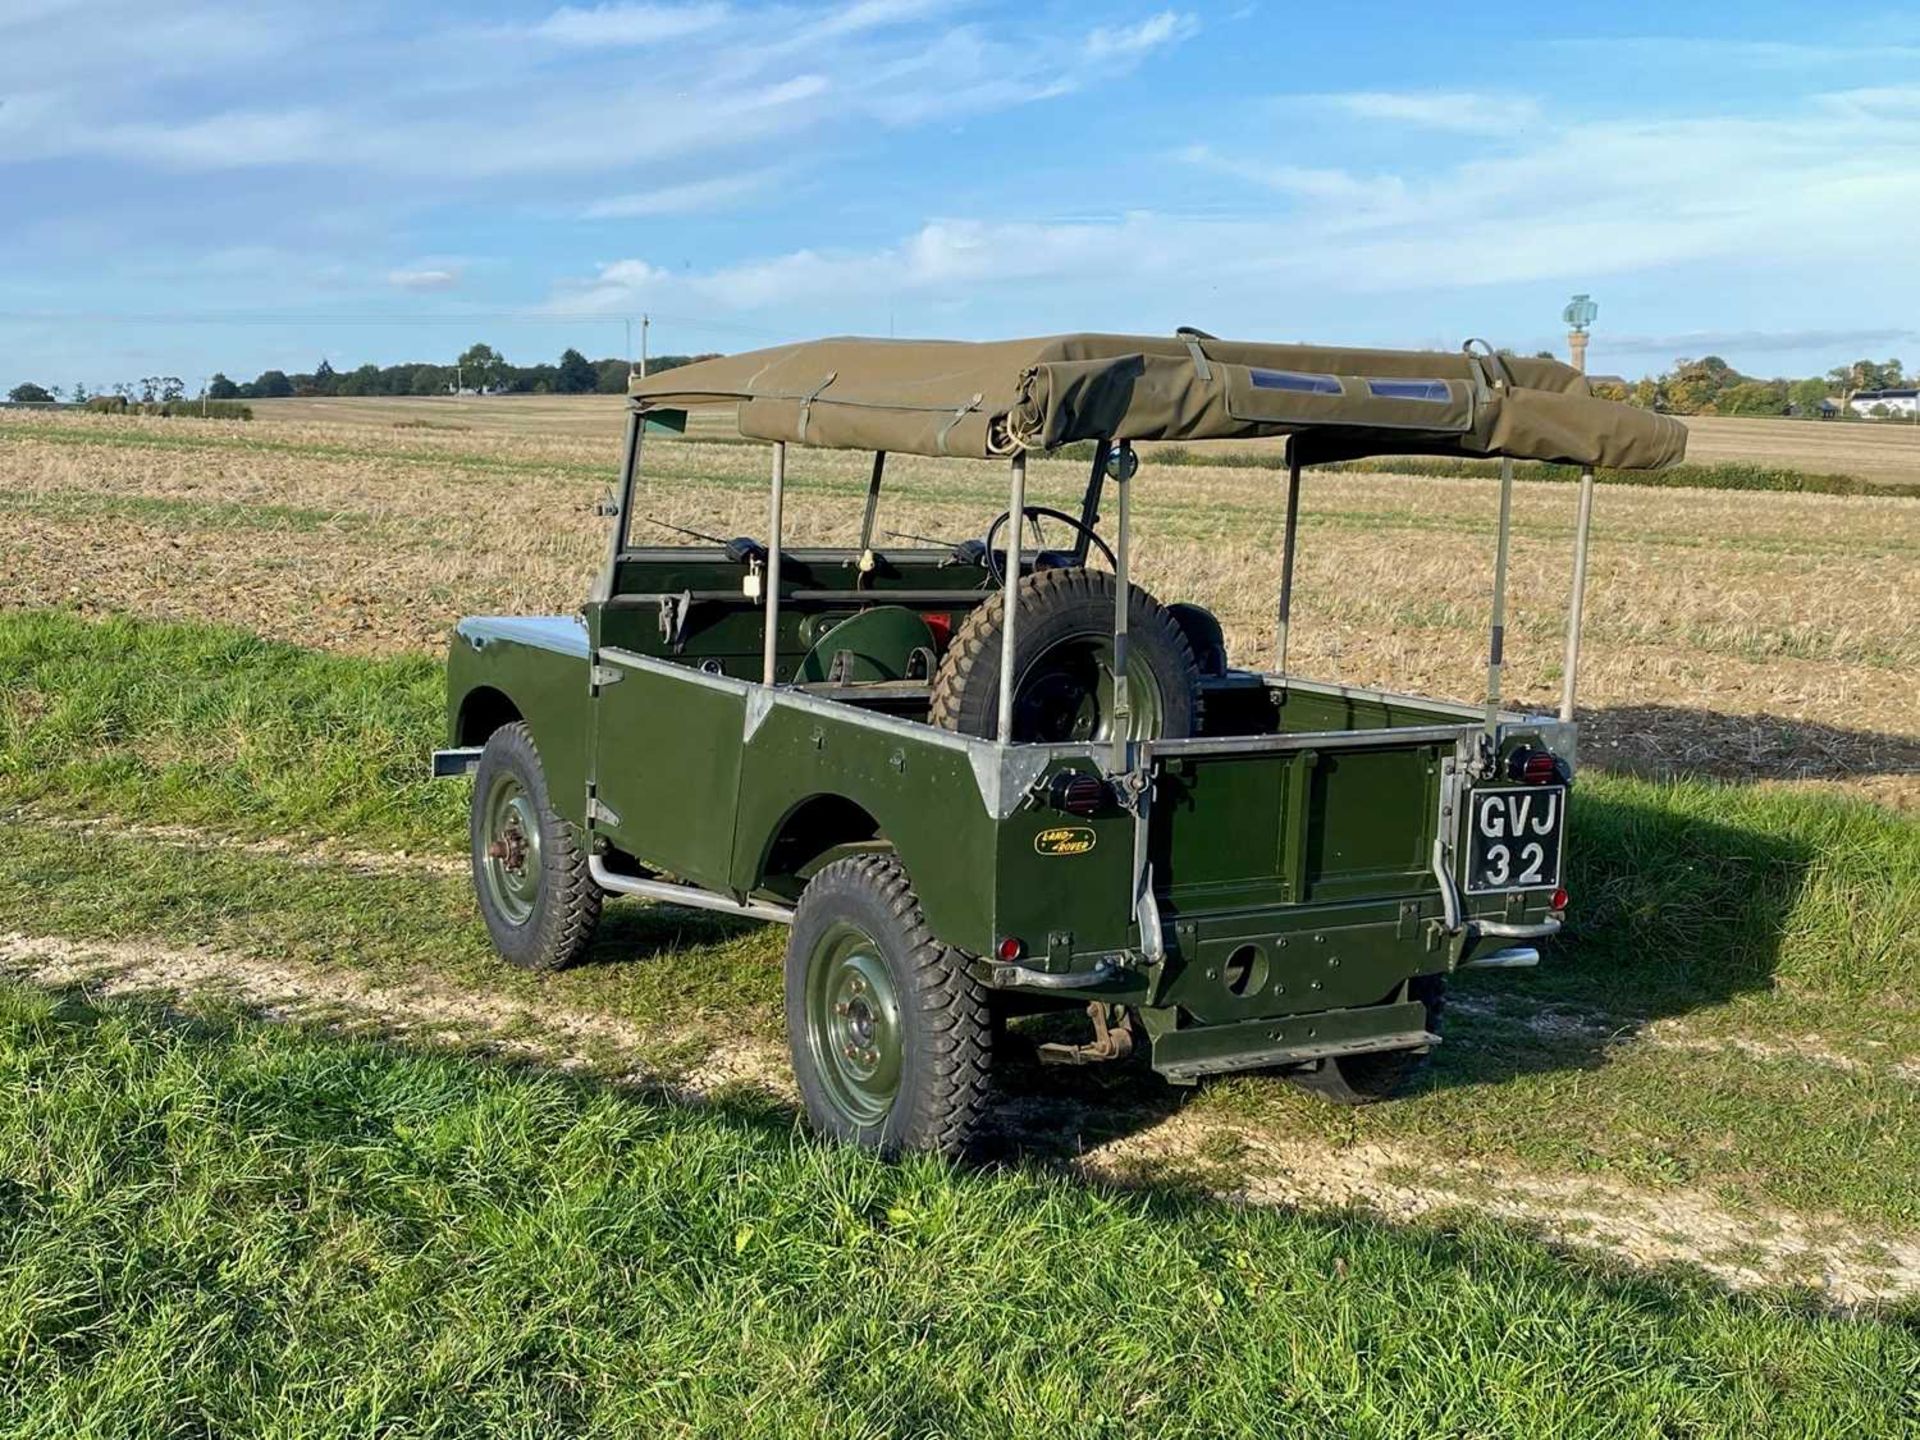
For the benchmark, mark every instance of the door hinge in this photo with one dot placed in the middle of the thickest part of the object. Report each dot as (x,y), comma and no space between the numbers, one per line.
(602,676)
(601,813)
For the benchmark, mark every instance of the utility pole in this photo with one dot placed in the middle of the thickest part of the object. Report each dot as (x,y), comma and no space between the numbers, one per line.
(645,321)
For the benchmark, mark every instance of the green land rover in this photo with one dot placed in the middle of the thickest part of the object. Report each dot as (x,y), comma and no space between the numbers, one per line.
(998,774)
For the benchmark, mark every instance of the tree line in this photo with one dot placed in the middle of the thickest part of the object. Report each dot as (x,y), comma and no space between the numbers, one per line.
(479,368)
(1710,386)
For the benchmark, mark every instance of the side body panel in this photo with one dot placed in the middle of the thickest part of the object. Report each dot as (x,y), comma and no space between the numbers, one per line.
(920,790)
(667,768)
(538,665)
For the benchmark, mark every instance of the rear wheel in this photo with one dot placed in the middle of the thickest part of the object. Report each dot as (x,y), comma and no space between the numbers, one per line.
(890,1033)
(1065,664)
(1365,1079)
(529,869)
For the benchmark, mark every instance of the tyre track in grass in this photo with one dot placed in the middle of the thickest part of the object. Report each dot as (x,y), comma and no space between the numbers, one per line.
(1846,1266)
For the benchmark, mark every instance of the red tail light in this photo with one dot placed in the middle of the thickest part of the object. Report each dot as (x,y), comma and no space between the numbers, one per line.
(1560,899)
(1077,794)
(1534,767)
(1011,948)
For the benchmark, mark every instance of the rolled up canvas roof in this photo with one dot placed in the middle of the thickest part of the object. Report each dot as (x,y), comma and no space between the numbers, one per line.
(946,397)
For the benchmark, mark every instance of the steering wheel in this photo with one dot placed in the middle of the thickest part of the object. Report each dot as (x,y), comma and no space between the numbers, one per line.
(996,566)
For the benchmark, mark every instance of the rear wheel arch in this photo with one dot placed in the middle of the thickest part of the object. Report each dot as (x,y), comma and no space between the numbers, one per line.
(814,833)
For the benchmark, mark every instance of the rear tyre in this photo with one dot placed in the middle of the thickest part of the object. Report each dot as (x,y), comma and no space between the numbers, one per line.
(1368,1079)
(1065,665)
(890,1034)
(529,868)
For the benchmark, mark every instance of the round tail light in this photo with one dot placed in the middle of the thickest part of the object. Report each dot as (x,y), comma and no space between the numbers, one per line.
(1010,948)
(1533,767)
(1560,899)
(1077,794)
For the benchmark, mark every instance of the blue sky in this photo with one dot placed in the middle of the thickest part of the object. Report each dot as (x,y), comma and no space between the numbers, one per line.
(187,187)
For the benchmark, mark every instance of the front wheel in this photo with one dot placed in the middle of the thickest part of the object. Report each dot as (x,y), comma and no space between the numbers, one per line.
(889,1031)
(529,868)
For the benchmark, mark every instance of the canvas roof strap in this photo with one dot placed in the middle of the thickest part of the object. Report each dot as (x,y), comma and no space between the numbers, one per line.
(957,416)
(806,402)
(1193,338)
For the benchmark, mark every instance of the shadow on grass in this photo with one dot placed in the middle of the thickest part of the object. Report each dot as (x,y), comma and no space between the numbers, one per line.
(1669,741)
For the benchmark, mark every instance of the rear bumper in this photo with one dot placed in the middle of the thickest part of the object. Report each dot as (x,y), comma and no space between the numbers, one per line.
(1185,1055)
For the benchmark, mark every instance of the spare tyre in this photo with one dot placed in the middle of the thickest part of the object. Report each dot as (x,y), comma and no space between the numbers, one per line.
(1065,665)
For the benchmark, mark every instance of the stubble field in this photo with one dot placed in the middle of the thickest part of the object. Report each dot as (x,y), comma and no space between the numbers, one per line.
(218,676)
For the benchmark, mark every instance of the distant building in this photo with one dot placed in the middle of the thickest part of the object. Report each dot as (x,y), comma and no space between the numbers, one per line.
(1885,402)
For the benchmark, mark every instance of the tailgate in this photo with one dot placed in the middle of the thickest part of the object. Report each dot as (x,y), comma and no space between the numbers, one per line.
(1249,828)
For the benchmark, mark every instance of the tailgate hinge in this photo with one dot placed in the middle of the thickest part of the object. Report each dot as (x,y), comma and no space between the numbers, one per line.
(601,676)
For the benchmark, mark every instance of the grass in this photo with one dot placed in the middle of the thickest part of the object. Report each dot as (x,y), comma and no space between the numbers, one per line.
(1735,911)
(205,724)
(218,1227)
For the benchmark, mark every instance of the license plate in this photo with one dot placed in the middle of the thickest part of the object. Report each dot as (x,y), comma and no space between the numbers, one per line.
(1514,838)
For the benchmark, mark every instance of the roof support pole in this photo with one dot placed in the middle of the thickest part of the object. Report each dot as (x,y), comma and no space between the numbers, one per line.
(1122,591)
(1090,502)
(1496,646)
(1010,597)
(771,641)
(621,506)
(1288,535)
(1576,603)
(873,510)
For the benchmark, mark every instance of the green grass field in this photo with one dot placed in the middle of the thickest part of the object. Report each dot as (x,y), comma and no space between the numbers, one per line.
(218,1227)
(437,1196)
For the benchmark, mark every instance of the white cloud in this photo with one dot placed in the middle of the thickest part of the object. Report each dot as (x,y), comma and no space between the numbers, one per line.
(691,198)
(1564,205)
(1708,342)
(440,279)
(1464,112)
(1131,42)
(628,25)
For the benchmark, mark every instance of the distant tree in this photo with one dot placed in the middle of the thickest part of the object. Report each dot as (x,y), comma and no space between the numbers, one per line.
(610,377)
(430,380)
(28,393)
(1611,390)
(80,392)
(483,368)
(1753,397)
(325,380)
(1807,396)
(1866,375)
(576,375)
(1647,394)
(172,387)
(221,388)
(363,381)
(272,385)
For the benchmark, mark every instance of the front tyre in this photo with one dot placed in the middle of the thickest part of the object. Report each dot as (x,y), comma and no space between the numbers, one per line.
(529,869)
(890,1032)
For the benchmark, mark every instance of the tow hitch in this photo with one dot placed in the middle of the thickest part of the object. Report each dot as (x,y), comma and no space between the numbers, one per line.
(1112,1039)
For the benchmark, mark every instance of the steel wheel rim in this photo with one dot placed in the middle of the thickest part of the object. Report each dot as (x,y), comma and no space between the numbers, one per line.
(1065,695)
(510,849)
(853,1024)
